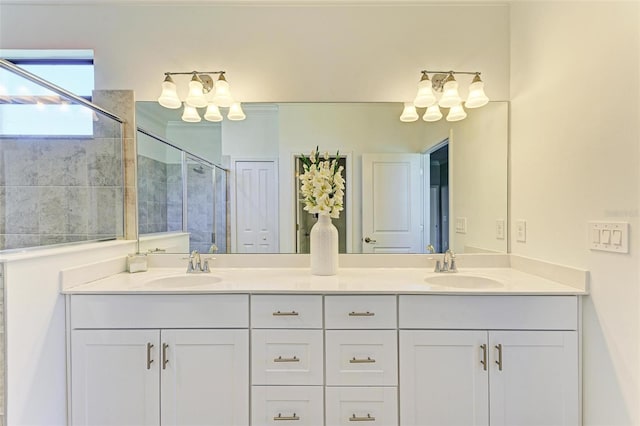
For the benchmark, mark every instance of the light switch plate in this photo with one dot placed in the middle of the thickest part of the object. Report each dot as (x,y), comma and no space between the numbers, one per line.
(461,225)
(521,231)
(609,236)
(500,229)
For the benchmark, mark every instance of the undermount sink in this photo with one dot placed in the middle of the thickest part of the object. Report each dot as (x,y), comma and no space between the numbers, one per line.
(185,280)
(464,281)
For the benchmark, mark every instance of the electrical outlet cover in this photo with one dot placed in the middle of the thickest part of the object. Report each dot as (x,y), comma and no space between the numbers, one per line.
(521,231)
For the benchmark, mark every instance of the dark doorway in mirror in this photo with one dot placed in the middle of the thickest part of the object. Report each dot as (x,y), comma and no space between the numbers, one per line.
(439,197)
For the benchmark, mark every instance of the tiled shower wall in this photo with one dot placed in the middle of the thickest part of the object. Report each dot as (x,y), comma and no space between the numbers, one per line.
(59,190)
(159,196)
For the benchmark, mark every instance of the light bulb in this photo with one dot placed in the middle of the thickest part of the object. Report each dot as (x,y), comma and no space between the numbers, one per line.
(477,97)
(409,113)
(222,97)
(196,98)
(432,113)
(190,114)
(456,113)
(425,96)
(450,96)
(213,113)
(169,96)
(235,112)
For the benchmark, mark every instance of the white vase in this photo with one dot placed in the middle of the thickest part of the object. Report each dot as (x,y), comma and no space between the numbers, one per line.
(324,247)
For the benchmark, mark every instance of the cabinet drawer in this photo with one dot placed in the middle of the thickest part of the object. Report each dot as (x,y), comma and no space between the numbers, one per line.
(362,357)
(351,312)
(286,311)
(489,312)
(160,311)
(286,357)
(375,406)
(277,405)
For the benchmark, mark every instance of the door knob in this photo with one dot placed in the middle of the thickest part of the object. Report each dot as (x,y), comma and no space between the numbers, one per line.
(369,240)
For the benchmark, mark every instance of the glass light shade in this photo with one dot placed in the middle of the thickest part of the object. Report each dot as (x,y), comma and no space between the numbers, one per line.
(425,96)
(169,96)
(409,113)
(450,96)
(235,112)
(196,98)
(477,97)
(432,113)
(456,113)
(213,113)
(222,97)
(190,114)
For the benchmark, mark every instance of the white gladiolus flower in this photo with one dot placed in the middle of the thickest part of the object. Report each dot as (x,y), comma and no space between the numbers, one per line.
(322,184)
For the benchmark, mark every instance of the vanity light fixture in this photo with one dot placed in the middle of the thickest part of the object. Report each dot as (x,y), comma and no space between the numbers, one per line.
(441,91)
(203,93)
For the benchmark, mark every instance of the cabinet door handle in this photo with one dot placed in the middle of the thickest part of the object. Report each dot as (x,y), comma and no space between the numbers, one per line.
(355,418)
(285,314)
(369,240)
(280,359)
(499,361)
(483,361)
(149,360)
(361,314)
(366,360)
(165,360)
(281,417)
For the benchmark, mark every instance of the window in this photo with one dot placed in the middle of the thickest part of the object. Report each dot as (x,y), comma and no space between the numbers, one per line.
(26,109)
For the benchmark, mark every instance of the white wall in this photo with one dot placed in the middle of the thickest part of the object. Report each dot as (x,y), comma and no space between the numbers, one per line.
(201,139)
(35,315)
(272,53)
(575,157)
(478,170)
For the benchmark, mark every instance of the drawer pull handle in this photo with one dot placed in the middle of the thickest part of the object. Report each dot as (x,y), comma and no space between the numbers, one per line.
(499,361)
(361,314)
(281,417)
(280,359)
(149,360)
(165,360)
(355,418)
(483,361)
(285,314)
(368,360)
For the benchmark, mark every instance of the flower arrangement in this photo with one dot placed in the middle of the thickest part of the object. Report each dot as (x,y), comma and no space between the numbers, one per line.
(322,184)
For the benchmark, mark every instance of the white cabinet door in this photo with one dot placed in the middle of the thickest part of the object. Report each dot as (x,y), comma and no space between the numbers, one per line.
(115,377)
(205,377)
(537,381)
(443,379)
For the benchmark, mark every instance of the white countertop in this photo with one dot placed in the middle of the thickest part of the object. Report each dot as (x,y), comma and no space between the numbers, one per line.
(507,281)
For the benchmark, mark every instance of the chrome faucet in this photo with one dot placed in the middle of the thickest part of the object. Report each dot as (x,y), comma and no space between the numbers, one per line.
(448,262)
(195,263)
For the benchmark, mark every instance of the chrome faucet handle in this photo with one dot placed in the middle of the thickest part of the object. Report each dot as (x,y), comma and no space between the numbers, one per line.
(453,267)
(205,264)
(437,268)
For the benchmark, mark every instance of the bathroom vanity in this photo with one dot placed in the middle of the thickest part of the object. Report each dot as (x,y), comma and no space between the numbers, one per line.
(264,346)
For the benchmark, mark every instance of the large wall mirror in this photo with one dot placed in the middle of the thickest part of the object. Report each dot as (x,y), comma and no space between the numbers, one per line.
(231,186)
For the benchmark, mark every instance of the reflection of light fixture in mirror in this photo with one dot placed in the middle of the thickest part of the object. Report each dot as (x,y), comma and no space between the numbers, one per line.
(409,113)
(432,113)
(456,113)
(235,112)
(213,113)
(201,86)
(190,114)
(444,85)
